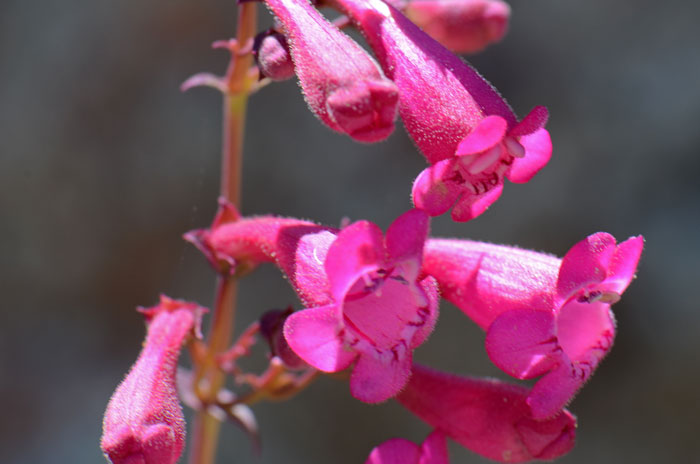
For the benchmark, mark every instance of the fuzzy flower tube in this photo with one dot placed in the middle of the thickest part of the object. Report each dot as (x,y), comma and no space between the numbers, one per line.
(342,84)
(399,451)
(465,129)
(144,423)
(488,417)
(367,303)
(543,316)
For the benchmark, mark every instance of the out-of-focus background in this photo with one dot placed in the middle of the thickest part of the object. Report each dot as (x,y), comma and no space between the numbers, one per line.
(104,164)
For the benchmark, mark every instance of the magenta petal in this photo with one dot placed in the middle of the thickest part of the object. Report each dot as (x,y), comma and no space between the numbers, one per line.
(548,439)
(623,264)
(433,191)
(554,391)
(434,449)
(377,377)
(471,206)
(586,263)
(487,134)
(535,120)
(406,236)
(395,451)
(430,287)
(314,335)
(302,253)
(358,249)
(523,343)
(538,151)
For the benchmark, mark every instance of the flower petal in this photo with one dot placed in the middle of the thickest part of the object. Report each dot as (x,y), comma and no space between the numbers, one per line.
(358,249)
(471,206)
(554,391)
(315,335)
(538,151)
(377,378)
(489,132)
(535,120)
(395,451)
(434,449)
(586,263)
(434,190)
(623,264)
(523,343)
(406,236)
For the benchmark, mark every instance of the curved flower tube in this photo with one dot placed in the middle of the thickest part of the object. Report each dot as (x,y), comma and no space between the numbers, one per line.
(464,128)
(543,316)
(487,416)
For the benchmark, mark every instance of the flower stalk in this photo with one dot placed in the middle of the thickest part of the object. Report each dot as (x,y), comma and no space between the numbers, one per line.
(208,378)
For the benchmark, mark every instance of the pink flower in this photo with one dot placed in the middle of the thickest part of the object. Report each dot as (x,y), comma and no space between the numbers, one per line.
(458,120)
(543,315)
(489,417)
(143,423)
(399,451)
(367,303)
(342,84)
(379,310)
(463,26)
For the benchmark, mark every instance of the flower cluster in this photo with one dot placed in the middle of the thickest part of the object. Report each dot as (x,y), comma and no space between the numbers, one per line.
(370,298)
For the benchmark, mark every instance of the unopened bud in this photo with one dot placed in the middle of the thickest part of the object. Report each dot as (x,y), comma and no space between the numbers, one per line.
(463,26)
(273,56)
(143,423)
(271,325)
(343,86)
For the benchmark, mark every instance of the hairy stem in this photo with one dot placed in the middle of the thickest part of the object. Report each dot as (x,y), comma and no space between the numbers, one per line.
(209,379)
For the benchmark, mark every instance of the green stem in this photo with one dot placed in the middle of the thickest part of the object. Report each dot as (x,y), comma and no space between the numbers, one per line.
(209,379)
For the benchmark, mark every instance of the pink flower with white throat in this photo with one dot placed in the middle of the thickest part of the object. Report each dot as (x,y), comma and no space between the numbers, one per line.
(399,451)
(465,129)
(544,316)
(379,310)
(143,423)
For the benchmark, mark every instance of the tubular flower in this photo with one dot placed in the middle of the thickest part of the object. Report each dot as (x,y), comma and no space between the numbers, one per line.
(143,423)
(543,315)
(399,451)
(465,129)
(379,310)
(463,26)
(342,84)
(487,416)
(367,303)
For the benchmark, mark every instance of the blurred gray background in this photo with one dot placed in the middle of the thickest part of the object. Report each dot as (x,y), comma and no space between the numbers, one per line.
(104,164)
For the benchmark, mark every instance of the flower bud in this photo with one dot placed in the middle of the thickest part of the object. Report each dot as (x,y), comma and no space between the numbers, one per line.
(273,56)
(463,26)
(271,325)
(343,86)
(143,423)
